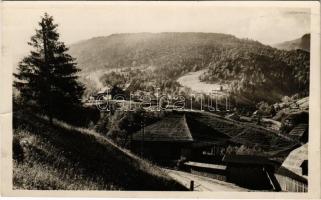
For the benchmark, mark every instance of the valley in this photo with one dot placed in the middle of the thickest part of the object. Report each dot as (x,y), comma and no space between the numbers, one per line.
(245,68)
(250,112)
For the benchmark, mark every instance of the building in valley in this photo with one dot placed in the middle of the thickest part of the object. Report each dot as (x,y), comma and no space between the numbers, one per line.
(300,133)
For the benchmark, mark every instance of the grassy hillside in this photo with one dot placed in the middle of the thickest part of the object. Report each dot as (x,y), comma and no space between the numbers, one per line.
(60,156)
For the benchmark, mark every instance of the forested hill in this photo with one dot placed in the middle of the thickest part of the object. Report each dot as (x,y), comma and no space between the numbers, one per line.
(157,49)
(249,67)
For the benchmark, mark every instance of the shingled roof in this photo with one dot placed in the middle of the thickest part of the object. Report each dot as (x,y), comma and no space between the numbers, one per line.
(172,128)
(300,132)
(295,159)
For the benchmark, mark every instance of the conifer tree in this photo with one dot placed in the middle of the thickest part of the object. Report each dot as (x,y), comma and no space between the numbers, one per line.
(47,77)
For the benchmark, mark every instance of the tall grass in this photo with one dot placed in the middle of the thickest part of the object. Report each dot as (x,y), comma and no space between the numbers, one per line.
(64,157)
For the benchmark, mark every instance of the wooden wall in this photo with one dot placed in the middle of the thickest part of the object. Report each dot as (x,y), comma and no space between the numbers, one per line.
(291,185)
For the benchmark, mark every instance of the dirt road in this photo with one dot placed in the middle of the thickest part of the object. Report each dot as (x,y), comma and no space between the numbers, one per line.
(203,183)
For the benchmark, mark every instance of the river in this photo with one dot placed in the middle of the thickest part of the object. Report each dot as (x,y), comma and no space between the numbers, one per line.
(191,80)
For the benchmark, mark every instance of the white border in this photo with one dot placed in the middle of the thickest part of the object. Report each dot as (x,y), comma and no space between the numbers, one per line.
(314,141)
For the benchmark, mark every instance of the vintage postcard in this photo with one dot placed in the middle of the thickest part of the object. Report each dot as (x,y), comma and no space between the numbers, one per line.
(160,99)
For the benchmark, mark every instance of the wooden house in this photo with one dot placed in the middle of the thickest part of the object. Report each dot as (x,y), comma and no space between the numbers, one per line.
(209,142)
(166,140)
(300,133)
(293,173)
(253,172)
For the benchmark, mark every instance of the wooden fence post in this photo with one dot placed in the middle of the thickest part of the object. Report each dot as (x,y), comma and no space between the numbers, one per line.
(191,188)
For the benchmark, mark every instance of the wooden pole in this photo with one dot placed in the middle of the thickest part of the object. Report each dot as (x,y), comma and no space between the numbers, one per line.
(191,188)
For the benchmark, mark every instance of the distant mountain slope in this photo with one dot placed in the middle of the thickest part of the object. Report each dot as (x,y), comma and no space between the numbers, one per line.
(251,69)
(300,43)
(157,49)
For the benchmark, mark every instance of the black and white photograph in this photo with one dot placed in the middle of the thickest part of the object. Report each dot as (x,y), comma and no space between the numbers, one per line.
(186,97)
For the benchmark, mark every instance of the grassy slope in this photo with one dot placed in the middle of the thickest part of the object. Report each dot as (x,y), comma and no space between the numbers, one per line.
(70,158)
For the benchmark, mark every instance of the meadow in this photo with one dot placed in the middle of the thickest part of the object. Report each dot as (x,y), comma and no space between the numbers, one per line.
(64,157)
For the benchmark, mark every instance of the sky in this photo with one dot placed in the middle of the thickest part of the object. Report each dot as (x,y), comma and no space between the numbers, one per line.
(268,25)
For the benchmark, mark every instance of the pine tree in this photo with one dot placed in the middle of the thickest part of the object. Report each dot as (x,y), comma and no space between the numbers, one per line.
(48,76)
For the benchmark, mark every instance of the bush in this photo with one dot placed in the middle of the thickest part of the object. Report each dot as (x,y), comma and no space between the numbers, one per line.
(17,150)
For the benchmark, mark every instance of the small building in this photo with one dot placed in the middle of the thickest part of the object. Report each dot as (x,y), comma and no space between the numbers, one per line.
(252,172)
(300,133)
(166,140)
(293,173)
(103,94)
(293,119)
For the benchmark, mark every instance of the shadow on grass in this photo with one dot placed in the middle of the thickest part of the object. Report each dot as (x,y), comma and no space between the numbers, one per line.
(92,157)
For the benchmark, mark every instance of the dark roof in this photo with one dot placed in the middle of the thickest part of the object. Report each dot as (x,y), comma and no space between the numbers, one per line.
(207,127)
(247,159)
(299,130)
(172,128)
(205,144)
(203,132)
(300,133)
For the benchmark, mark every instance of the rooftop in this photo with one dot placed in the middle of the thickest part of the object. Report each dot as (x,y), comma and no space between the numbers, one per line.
(299,130)
(172,128)
(295,159)
(247,159)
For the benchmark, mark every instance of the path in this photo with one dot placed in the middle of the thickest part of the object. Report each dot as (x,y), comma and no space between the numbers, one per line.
(202,183)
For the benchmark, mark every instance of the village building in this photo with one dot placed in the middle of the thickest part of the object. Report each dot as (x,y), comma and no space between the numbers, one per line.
(253,172)
(293,119)
(164,141)
(293,173)
(200,143)
(300,133)
(179,136)
(209,143)
(102,94)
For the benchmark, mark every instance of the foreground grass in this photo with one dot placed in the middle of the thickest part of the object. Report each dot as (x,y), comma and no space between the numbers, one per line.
(63,157)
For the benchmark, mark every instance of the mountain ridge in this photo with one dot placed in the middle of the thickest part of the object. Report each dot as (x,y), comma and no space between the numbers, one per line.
(248,66)
(299,43)
(101,52)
